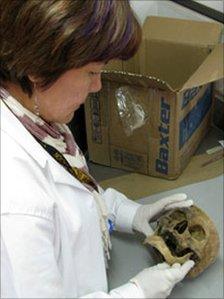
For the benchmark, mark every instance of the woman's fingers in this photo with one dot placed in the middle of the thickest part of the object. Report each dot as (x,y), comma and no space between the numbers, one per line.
(179,197)
(184,204)
(177,272)
(162,266)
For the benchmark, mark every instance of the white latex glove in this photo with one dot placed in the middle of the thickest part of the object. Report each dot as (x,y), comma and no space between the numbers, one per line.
(145,213)
(158,281)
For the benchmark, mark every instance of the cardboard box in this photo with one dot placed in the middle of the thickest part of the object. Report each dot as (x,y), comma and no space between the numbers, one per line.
(170,79)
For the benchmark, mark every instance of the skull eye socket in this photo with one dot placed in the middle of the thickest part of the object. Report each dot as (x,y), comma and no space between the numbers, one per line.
(181,226)
(197,232)
(178,215)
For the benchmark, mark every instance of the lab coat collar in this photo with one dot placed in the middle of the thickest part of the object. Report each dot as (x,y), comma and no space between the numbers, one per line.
(13,127)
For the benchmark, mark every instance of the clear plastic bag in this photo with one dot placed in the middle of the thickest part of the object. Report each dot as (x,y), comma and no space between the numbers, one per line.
(131,112)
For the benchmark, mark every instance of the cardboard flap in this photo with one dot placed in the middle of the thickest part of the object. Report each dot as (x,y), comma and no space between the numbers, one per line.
(172,63)
(210,70)
(182,31)
(135,79)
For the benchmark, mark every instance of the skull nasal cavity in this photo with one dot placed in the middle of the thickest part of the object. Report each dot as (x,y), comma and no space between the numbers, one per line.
(181,226)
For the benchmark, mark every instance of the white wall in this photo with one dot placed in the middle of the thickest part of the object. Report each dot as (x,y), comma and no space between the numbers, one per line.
(171,9)
(144,8)
(216,4)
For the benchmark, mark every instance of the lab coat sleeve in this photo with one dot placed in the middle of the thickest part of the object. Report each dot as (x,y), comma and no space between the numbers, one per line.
(29,243)
(7,278)
(128,290)
(121,209)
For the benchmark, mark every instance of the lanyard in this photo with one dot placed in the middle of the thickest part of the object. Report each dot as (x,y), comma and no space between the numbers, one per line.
(79,174)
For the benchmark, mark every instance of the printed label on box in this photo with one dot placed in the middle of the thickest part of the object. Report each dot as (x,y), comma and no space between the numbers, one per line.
(164,128)
(95,118)
(127,159)
(194,118)
(189,95)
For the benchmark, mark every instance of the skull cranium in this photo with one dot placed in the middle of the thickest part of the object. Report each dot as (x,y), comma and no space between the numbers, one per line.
(183,234)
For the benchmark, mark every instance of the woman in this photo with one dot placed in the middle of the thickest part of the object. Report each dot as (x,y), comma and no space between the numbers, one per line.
(55,217)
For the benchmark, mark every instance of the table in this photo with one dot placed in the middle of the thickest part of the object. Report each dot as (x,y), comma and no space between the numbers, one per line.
(129,256)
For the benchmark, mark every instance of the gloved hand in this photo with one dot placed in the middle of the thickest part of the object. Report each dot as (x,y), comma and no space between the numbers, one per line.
(145,213)
(158,281)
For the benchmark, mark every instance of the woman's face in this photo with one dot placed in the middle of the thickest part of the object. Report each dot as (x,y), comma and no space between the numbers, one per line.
(59,102)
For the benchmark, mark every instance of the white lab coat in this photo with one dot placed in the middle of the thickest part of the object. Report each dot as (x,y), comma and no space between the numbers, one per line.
(49,222)
(7,279)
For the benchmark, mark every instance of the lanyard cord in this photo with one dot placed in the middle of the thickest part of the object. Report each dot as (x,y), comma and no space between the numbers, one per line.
(79,174)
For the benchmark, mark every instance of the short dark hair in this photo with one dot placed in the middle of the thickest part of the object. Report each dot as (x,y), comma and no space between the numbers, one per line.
(46,38)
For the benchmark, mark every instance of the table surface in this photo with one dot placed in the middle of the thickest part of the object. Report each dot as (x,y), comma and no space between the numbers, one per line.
(129,256)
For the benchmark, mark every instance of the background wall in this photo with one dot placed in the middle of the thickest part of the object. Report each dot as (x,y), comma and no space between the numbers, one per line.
(216,4)
(144,8)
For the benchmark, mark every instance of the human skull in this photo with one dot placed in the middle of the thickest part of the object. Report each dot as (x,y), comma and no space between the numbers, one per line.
(183,234)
